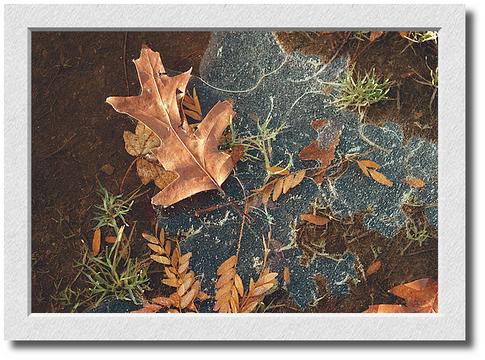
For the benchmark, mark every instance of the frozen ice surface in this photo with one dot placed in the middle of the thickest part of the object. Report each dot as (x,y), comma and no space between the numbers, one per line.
(262,80)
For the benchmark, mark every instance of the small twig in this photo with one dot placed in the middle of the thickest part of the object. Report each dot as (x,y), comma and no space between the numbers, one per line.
(60,148)
(126,173)
(124,64)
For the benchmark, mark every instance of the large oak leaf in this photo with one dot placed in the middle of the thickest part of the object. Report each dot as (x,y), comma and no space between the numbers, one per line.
(193,155)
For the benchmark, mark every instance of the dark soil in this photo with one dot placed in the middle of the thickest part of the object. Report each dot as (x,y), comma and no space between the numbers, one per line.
(77,139)
(75,133)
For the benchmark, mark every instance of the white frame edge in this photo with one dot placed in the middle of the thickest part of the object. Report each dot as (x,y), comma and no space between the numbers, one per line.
(449,324)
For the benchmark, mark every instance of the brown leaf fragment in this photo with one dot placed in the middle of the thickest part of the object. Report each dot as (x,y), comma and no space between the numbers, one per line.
(148,308)
(278,170)
(141,142)
(380,178)
(239,285)
(96,245)
(319,123)
(386,308)
(324,155)
(315,219)
(311,152)
(414,182)
(163,301)
(229,263)
(421,296)
(298,178)
(260,290)
(288,183)
(374,35)
(150,238)
(202,296)
(160,259)
(267,193)
(278,189)
(193,155)
(110,239)
(286,274)
(157,248)
(373,268)
(237,151)
(170,282)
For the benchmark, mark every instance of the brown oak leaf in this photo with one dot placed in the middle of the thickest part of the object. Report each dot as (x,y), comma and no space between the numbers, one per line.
(192,154)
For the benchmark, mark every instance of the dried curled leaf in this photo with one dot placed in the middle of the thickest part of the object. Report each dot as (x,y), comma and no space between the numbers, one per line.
(315,219)
(193,155)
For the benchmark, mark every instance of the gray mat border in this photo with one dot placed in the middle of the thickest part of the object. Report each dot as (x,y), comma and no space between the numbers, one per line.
(449,324)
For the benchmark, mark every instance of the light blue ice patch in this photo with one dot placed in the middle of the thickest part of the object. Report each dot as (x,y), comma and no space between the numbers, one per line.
(263,81)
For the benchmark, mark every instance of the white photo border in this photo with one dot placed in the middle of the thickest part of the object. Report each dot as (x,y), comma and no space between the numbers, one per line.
(448,324)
